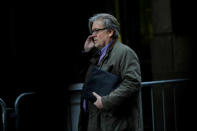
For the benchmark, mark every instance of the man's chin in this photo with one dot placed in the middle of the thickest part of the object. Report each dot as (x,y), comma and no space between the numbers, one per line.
(98,46)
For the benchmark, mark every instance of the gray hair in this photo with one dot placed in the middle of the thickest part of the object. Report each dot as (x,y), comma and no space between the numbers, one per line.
(109,22)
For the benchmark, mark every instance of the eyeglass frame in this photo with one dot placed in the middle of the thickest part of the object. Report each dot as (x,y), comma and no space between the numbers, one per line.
(95,31)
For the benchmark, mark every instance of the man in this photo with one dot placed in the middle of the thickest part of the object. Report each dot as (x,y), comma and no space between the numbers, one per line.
(118,111)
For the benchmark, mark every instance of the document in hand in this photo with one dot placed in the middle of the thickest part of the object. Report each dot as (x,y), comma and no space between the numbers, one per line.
(101,82)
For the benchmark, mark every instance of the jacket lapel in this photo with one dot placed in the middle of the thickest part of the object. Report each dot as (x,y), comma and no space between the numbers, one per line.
(107,53)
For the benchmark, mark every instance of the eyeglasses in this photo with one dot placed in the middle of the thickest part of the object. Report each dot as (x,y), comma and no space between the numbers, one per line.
(95,31)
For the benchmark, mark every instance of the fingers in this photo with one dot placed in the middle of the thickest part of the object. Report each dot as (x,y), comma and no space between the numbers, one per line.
(98,102)
(96,95)
(89,44)
(91,37)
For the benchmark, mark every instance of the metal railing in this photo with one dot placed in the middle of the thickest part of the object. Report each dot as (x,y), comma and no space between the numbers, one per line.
(78,88)
(158,83)
(16,107)
(19,98)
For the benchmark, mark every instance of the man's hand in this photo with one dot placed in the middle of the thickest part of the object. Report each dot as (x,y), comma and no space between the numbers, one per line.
(89,44)
(98,102)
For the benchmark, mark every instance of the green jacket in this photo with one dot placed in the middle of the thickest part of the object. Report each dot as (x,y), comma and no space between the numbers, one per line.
(121,107)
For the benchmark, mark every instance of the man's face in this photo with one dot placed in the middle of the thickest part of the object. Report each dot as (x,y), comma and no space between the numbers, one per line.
(101,36)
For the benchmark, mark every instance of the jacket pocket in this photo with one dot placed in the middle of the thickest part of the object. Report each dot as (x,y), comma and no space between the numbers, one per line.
(109,122)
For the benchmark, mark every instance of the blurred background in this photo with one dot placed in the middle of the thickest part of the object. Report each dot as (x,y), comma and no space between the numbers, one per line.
(43,49)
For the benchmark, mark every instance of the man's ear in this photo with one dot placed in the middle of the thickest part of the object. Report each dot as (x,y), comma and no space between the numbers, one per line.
(111,32)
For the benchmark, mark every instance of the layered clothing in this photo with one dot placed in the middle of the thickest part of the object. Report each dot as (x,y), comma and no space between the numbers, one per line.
(120,110)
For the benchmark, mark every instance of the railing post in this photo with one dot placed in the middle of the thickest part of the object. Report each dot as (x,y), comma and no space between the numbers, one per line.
(152,105)
(163,108)
(141,111)
(16,106)
(4,113)
(69,116)
(175,115)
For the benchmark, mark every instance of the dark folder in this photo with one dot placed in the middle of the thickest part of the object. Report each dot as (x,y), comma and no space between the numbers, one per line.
(101,82)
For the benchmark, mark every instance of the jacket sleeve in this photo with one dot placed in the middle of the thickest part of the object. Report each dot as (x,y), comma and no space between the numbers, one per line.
(86,58)
(131,81)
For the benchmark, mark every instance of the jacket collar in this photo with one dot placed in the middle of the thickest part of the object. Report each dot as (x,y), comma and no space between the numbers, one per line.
(114,42)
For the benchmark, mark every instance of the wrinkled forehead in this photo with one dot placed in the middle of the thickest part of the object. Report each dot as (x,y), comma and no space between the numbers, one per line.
(97,24)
